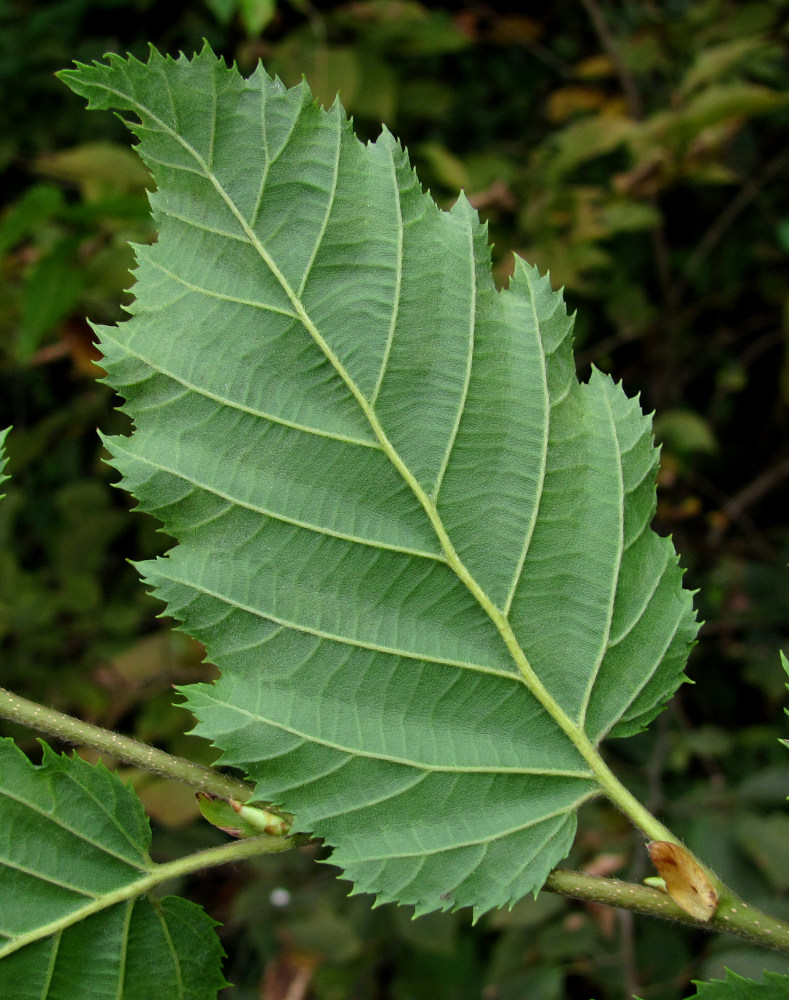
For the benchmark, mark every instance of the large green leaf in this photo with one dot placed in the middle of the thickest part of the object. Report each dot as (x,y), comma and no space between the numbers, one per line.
(417,547)
(76,918)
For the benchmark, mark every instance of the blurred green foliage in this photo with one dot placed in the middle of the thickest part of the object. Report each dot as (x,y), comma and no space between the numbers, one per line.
(637,150)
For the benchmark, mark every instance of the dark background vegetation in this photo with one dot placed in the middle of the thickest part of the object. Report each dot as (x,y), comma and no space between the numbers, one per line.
(639,150)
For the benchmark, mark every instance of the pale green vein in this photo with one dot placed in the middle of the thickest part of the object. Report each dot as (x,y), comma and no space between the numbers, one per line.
(176,297)
(53,956)
(373,800)
(201,226)
(180,167)
(276,515)
(160,69)
(273,157)
(123,951)
(267,165)
(529,533)
(173,951)
(327,213)
(78,834)
(614,641)
(75,777)
(209,292)
(616,569)
(231,403)
(472,324)
(40,876)
(633,695)
(194,525)
(398,283)
(565,811)
(254,644)
(212,137)
(147,406)
(316,774)
(406,761)
(333,637)
(642,531)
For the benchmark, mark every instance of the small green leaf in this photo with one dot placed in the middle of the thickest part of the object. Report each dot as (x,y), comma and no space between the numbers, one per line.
(715,61)
(256,14)
(722,102)
(223,10)
(74,871)
(53,287)
(685,432)
(98,168)
(734,987)
(29,214)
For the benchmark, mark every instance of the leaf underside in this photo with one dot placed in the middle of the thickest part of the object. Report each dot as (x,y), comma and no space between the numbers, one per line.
(388,488)
(71,836)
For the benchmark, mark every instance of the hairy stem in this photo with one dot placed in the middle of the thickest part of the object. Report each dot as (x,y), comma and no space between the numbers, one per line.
(79,733)
(732,915)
